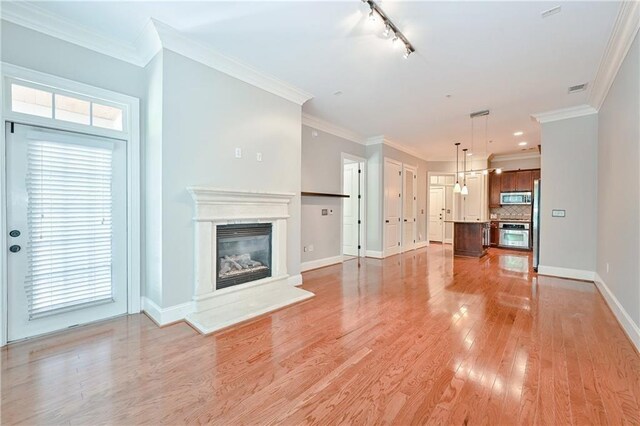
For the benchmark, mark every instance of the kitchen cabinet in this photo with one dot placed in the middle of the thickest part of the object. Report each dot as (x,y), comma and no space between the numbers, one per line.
(523,181)
(508,182)
(535,175)
(494,234)
(494,190)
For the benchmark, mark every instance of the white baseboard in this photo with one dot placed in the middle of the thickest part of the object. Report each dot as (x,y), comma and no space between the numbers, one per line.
(630,328)
(165,316)
(421,244)
(576,274)
(295,280)
(375,254)
(320,263)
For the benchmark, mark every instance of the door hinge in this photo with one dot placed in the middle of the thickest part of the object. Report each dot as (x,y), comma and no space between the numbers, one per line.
(399,195)
(359,196)
(12,127)
(398,243)
(398,219)
(359,247)
(414,241)
(399,173)
(359,171)
(359,223)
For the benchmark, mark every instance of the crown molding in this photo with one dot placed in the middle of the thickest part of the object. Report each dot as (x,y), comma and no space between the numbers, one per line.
(35,18)
(564,113)
(324,126)
(622,36)
(516,156)
(382,140)
(155,36)
(173,40)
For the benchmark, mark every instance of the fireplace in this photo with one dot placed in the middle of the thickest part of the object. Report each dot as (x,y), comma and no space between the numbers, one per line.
(243,252)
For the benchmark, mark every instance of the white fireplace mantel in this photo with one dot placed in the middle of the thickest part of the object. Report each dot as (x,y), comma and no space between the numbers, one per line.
(219,308)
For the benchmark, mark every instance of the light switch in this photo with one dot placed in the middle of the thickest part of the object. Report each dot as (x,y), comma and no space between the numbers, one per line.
(325,212)
(558,213)
(259,156)
(238,152)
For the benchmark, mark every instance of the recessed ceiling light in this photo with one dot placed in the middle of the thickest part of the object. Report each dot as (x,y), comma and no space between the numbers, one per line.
(522,143)
(518,133)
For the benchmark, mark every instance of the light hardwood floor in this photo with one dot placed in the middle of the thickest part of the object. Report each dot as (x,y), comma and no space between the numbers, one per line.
(413,339)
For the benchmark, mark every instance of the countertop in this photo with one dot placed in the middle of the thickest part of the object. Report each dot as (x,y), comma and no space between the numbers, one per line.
(467,221)
(511,220)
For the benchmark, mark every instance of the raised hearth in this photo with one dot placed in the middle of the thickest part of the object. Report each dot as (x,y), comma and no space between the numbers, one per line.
(237,277)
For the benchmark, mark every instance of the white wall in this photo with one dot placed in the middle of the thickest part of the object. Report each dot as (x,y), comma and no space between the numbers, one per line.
(618,228)
(322,172)
(569,182)
(375,167)
(206,115)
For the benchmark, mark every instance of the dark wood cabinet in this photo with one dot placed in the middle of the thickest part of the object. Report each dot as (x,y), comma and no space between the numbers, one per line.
(494,190)
(469,239)
(523,181)
(494,234)
(535,175)
(508,182)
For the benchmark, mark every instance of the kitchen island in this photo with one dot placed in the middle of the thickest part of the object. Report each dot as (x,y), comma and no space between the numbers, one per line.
(470,238)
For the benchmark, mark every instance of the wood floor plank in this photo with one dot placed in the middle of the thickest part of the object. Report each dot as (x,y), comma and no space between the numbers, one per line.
(418,338)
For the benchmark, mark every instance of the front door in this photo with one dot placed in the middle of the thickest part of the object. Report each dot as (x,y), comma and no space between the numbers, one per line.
(351,212)
(436,214)
(67,222)
(393,206)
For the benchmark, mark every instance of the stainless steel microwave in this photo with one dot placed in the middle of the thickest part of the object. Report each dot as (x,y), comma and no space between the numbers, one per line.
(510,198)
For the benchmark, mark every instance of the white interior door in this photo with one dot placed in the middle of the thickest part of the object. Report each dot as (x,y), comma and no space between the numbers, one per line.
(393,206)
(436,213)
(409,210)
(351,217)
(67,217)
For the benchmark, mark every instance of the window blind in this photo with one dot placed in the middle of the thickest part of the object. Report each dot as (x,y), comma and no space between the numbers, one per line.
(70,226)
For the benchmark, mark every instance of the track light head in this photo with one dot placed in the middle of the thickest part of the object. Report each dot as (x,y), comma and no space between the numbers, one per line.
(406,54)
(387,30)
(372,15)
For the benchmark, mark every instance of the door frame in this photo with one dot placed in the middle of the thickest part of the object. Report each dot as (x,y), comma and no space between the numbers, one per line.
(453,204)
(363,191)
(131,135)
(413,169)
(444,203)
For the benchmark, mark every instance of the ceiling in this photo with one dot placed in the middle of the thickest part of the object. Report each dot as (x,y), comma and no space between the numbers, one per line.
(470,56)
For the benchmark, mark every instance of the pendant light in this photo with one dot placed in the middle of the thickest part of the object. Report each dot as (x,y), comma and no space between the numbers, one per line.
(465,190)
(456,188)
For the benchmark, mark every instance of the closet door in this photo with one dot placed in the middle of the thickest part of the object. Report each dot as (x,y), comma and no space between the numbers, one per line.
(392,206)
(409,212)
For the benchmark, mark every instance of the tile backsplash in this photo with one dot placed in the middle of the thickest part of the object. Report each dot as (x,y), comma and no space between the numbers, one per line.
(512,212)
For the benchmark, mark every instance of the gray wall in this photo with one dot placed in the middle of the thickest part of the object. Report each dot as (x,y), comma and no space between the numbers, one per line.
(206,115)
(618,186)
(40,52)
(322,172)
(569,182)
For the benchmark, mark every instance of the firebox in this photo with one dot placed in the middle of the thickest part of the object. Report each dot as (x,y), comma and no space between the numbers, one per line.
(244,253)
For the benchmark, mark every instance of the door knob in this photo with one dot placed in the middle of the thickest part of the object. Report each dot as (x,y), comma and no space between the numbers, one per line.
(14,248)
(15,233)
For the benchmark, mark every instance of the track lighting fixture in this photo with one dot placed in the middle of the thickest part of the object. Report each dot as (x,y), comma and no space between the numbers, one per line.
(389,27)
(387,30)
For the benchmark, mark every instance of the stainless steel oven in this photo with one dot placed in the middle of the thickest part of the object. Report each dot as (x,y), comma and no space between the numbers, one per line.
(515,198)
(514,235)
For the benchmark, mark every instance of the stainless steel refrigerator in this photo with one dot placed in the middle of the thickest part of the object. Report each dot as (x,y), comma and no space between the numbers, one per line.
(536,224)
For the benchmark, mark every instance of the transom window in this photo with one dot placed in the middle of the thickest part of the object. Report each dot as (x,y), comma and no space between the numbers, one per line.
(48,103)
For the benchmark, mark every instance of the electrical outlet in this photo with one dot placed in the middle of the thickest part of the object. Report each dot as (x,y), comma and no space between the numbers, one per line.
(607,267)
(330,211)
(238,152)
(310,247)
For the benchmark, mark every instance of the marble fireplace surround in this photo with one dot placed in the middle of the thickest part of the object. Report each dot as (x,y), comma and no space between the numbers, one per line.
(215,309)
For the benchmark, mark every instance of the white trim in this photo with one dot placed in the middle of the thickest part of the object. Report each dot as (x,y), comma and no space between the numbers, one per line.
(165,316)
(564,113)
(518,156)
(295,280)
(626,322)
(421,244)
(624,32)
(576,274)
(155,36)
(374,254)
(382,140)
(131,135)
(321,263)
(35,18)
(324,126)
(173,40)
